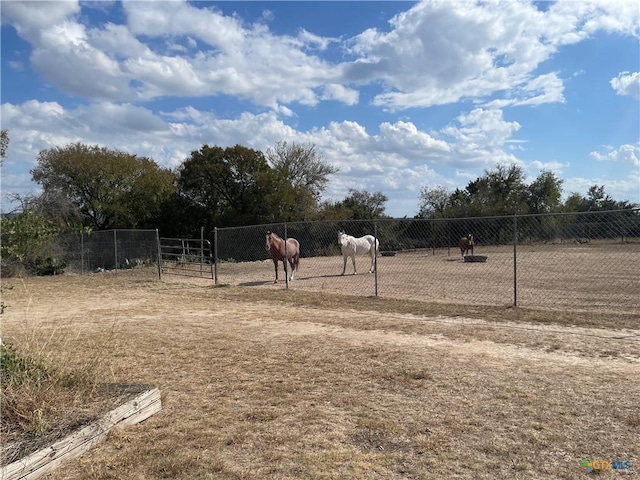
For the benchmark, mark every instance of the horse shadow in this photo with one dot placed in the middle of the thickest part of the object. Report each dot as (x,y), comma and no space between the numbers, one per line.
(328,276)
(256,283)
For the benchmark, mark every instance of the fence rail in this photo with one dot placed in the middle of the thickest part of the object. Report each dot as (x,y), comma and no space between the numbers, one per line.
(186,257)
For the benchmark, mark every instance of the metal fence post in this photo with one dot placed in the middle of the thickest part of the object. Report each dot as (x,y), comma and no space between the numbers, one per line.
(81,252)
(515,261)
(375,257)
(201,250)
(115,249)
(215,255)
(159,255)
(286,277)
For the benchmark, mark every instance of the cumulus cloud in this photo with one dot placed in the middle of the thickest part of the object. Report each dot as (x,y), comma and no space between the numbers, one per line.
(480,137)
(112,62)
(398,157)
(497,50)
(335,91)
(625,154)
(437,52)
(29,17)
(627,83)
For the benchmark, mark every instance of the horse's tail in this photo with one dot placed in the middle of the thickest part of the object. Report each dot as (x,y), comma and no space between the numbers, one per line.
(375,245)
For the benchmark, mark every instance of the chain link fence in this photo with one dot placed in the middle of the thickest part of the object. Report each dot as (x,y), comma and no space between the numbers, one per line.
(580,261)
(107,250)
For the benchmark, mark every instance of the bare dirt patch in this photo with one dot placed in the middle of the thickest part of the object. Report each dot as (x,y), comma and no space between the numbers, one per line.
(586,278)
(268,383)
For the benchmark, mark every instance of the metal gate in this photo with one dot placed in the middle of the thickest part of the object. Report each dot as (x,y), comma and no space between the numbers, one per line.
(187,257)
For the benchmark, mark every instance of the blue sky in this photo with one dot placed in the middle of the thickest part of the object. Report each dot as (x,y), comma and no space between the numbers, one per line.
(397,95)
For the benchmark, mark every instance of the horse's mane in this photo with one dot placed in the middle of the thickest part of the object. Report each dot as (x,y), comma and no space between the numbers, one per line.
(275,235)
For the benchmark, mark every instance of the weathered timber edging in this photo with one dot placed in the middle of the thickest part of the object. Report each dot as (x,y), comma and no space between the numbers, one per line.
(47,459)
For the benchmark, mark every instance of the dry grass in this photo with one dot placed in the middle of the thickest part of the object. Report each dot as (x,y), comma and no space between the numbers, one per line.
(266,383)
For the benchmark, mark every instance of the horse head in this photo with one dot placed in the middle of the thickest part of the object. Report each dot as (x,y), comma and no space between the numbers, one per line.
(341,235)
(268,240)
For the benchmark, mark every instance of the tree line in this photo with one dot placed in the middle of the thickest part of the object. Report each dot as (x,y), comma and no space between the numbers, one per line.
(91,187)
(503,191)
(101,188)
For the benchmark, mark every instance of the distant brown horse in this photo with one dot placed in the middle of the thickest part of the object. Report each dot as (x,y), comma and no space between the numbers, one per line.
(276,247)
(466,244)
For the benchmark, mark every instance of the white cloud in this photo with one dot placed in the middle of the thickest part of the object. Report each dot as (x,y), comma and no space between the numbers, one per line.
(29,17)
(437,52)
(546,88)
(480,138)
(440,52)
(399,158)
(112,62)
(557,168)
(626,154)
(314,41)
(335,91)
(627,83)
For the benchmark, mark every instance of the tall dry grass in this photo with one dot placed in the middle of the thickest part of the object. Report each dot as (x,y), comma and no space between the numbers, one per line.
(46,390)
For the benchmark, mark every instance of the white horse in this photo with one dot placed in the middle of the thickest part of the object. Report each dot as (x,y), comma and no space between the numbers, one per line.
(352,246)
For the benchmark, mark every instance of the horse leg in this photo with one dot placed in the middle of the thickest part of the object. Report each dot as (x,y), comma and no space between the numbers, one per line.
(372,269)
(353,260)
(275,264)
(293,267)
(344,264)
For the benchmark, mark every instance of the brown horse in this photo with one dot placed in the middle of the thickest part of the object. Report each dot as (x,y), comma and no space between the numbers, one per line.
(280,251)
(466,244)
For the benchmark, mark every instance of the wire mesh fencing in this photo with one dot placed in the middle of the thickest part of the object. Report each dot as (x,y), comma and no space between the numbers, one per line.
(574,261)
(108,250)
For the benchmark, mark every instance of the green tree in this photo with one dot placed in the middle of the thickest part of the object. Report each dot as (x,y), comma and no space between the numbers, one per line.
(235,185)
(364,205)
(334,211)
(597,200)
(500,191)
(506,193)
(434,202)
(543,194)
(26,238)
(304,168)
(110,188)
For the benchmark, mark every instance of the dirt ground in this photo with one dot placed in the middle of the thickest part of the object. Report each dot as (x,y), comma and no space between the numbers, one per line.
(266,383)
(600,277)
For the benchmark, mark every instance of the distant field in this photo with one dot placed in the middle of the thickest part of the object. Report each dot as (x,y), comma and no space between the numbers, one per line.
(263,383)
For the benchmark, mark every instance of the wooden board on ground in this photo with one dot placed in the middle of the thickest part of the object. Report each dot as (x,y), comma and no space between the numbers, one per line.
(47,459)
